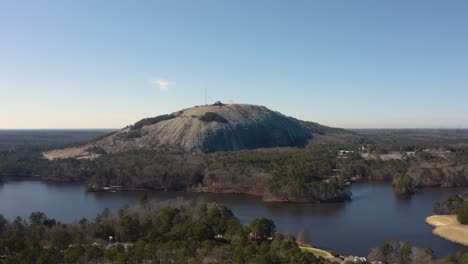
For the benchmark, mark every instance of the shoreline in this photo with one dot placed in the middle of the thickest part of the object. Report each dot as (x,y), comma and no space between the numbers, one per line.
(198,189)
(316,251)
(448,228)
(329,255)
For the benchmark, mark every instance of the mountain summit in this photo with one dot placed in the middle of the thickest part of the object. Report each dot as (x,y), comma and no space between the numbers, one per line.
(209,128)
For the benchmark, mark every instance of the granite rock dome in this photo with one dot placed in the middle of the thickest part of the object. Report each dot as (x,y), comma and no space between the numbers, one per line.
(206,129)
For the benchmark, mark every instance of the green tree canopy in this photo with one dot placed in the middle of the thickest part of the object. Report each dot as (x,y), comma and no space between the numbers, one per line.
(262,228)
(463,214)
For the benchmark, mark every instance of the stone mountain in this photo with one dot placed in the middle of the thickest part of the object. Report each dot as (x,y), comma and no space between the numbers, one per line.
(210,128)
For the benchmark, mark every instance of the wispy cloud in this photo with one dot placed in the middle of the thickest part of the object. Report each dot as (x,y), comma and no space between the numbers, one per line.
(162,84)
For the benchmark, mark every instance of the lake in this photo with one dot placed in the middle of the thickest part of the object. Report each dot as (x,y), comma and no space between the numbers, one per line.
(374,216)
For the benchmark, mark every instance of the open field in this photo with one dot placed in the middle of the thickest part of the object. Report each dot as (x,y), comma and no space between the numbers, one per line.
(447,227)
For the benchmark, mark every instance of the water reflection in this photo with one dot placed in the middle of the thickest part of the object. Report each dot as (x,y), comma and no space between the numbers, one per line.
(306,210)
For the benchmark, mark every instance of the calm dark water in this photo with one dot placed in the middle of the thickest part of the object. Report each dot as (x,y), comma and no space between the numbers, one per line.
(374,217)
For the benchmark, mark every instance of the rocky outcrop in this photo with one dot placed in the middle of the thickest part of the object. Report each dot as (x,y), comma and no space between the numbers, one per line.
(206,129)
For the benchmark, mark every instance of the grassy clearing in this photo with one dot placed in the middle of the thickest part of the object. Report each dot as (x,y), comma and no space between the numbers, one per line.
(317,252)
(447,227)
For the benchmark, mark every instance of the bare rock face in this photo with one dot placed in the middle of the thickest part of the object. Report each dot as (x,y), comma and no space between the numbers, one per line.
(204,129)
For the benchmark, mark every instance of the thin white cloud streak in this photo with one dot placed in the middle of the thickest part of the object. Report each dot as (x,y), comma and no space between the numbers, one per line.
(162,84)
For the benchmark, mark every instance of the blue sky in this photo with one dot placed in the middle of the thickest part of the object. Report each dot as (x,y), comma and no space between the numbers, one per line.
(352,64)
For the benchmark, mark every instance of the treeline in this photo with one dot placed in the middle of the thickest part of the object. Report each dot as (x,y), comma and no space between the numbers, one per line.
(394,139)
(372,169)
(28,162)
(181,232)
(283,175)
(451,205)
(11,140)
(455,204)
(394,170)
(173,232)
(146,169)
(21,152)
(151,121)
(410,173)
(405,253)
(277,175)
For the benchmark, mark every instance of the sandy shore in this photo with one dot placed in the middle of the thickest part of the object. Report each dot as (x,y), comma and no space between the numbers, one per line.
(447,227)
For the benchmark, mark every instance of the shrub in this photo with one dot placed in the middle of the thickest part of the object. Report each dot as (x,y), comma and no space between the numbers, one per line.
(151,121)
(213,117)
(130,135)
(97,150)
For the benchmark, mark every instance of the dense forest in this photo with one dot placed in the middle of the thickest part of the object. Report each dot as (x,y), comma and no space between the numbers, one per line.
(425,166)
(209,233)
(174,232)
(283,175)
(280,174)
(46,139)
(180,232)
(317,173)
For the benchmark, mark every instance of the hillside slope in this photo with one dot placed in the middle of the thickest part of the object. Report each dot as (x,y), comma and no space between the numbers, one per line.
(210,128)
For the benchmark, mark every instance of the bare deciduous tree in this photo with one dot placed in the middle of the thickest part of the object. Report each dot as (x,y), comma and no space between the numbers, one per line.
(303,237)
